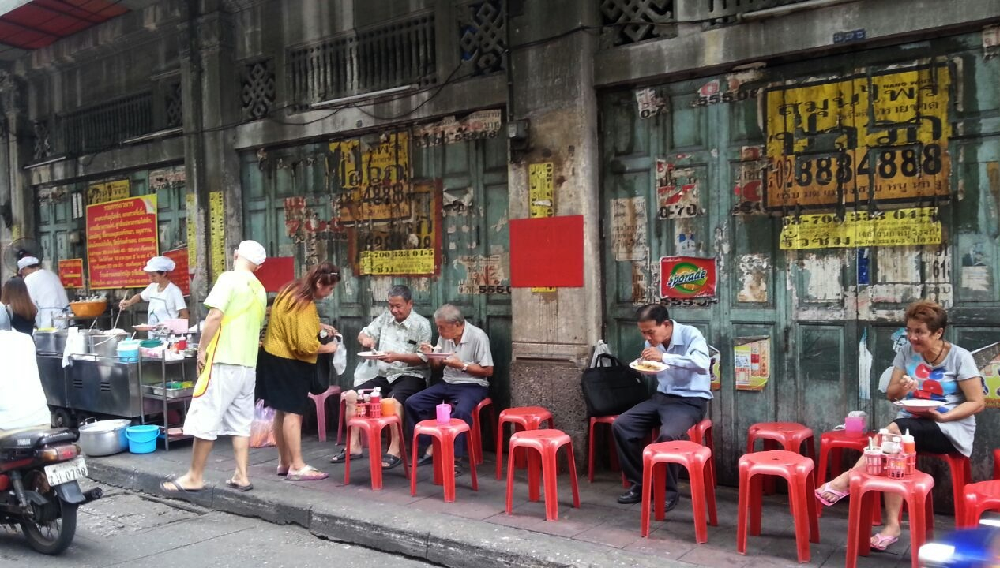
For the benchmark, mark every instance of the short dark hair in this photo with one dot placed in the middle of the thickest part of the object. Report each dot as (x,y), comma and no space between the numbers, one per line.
(930,313)
(653,312)
(401,291)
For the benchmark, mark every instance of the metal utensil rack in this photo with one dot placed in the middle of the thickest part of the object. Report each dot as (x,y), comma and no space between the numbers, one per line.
(164,395)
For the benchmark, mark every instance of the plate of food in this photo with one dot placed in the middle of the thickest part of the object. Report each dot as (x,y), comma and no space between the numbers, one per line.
(370,354)
(648,367)
(918,405)
(144,327)
(437,356)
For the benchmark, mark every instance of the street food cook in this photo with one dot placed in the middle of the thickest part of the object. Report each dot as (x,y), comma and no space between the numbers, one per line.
(46,291)
(165,299)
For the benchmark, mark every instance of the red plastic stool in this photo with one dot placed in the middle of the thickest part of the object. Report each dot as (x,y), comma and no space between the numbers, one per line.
(373,428)
(979,498)
(547,443)
(320,400)
(996,464)
(477,433)
(343,418)
(789,436)
(698,461)
(443,437)
(915,488)
(701,433)
(594,421)
(798,472)
(525,417)
(961,475)
(831,446)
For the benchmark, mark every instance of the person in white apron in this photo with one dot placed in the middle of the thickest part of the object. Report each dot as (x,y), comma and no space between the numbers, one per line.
(165,299)
(46,291)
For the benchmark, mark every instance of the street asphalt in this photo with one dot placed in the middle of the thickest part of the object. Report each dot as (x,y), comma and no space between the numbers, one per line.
(128,529)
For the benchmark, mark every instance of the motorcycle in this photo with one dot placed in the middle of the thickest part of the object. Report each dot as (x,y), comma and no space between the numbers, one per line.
(39,488)
(977,547)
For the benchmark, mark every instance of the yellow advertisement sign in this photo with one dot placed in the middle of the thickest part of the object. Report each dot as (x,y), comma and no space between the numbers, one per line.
(913,226)
(109,191)
(542,200)
(411,262)
(217,232)
(375,178)
(752,363)
(836,141)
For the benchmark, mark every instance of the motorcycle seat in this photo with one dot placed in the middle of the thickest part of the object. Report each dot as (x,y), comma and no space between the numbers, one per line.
(29,438)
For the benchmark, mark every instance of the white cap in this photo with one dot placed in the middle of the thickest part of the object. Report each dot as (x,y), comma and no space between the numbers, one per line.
(26,262)
(252,251)
(159,264)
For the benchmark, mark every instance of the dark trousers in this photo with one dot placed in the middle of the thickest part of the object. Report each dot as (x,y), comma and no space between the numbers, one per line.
(423,406)
(674,415)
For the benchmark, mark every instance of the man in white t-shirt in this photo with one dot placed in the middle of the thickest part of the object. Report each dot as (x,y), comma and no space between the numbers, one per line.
(22,400)
(46,291)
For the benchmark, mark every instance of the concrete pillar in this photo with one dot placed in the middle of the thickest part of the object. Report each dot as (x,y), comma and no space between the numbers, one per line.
(16,138)
(552,74)
(211,105)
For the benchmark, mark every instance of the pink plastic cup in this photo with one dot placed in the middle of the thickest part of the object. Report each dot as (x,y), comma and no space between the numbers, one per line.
(854,424)
(443,413)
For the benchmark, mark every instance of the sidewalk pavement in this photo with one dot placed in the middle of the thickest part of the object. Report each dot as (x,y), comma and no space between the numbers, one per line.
(475,530)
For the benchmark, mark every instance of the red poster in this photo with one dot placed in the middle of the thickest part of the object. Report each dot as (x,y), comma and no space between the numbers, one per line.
(180,275)
(276,272)
(121,237)
(71,272)
(546,252)
(687,277)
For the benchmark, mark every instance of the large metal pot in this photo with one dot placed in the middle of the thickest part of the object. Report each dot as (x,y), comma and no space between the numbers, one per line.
(50,341)
(104,437)
(103,343)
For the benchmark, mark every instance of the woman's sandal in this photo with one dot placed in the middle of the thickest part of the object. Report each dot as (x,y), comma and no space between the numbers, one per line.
(390,461)
(837,495)
(881,542)
(308,473)
(341,457)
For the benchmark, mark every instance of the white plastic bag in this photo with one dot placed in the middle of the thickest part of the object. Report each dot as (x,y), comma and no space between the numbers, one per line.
(365,371)
(340,355)
(599,349)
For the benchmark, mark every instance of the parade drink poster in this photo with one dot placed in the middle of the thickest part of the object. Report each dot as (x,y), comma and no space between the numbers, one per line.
(121,237)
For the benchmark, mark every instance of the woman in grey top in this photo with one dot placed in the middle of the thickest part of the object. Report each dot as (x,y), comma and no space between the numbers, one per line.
(927,368)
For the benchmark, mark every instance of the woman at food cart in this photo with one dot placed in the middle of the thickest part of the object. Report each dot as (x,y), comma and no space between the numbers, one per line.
(926,368)
(17,301)
(165,299)
(287,364)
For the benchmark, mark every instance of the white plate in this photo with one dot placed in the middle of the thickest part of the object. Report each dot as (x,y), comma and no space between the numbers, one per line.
(144,327)
(919,404)
(440,356)
(653,369)
(370,354)
(65,472)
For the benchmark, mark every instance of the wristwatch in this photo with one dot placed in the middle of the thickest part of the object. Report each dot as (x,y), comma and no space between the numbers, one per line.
(465,367)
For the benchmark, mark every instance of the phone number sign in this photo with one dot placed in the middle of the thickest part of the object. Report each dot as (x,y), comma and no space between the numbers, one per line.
(841,141)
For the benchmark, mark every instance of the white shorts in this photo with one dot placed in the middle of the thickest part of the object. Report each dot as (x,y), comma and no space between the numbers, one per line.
(226,408)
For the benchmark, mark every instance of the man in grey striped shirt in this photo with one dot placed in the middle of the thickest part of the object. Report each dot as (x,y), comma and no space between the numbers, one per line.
(402,368)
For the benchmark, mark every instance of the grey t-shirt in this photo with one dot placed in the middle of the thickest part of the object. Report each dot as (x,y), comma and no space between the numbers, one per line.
(941,384)
(472,348)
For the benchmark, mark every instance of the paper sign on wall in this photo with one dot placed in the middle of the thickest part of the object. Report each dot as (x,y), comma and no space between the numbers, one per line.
(752,363)
(180,275)
(687,277)
(902,227)
(121,237)
(71,273)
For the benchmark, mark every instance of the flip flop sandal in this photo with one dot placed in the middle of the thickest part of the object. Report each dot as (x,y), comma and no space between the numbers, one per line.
(308,473)
(837,495)
(425,460)
(390,461)
(342,456)
(281,472)
(233,485)
(881,542)
(177,488)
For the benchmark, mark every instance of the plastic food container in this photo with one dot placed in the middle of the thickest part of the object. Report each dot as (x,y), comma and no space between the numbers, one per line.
(128,351)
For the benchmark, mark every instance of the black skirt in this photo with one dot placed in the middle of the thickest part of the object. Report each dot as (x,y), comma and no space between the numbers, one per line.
(284,382)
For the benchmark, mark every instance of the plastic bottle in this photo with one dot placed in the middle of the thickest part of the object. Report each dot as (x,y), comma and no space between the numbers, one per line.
(375,409)
(909,444)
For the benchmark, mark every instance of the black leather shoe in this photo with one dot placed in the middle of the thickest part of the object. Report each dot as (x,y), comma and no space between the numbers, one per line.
(633,495)
(671,503)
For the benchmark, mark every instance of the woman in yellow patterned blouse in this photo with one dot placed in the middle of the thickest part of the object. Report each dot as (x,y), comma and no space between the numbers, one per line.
(288,363)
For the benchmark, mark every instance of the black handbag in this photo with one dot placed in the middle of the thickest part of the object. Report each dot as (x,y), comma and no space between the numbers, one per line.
(610,388)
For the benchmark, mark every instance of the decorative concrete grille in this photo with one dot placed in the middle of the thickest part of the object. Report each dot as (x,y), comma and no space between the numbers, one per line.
(107,125)
(43,147)
(259,90)
(173,105)
(393,54)
(482,35)
(632,21)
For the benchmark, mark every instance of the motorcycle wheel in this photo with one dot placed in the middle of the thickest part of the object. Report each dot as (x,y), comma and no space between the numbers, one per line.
(55,536)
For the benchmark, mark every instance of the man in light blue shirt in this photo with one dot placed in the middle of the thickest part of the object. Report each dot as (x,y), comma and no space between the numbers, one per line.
(682,394)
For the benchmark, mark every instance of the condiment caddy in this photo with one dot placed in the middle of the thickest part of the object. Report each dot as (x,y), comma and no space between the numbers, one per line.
(891,455)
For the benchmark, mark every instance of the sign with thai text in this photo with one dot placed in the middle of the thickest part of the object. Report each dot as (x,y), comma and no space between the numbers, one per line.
(687,277)
(752,357)
(881,135)
(180,274)
(412,262)
(121,237)
(71,272)
(859,229)
(106,191)
(479,125)
(375,178)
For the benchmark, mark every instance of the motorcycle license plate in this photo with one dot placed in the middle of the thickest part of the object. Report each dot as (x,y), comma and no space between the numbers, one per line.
(65,472)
